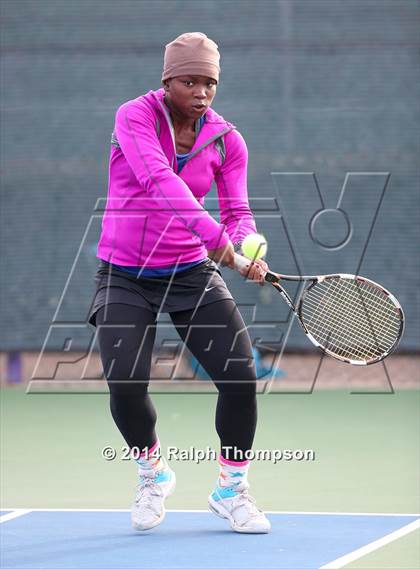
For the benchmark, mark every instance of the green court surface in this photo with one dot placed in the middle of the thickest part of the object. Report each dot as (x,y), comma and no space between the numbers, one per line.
(366,455)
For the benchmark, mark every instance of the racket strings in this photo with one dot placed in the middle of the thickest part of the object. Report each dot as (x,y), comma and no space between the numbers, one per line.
(367,345)
(345,345)
(385,332)
(356,315)
(351,318)
(328,337)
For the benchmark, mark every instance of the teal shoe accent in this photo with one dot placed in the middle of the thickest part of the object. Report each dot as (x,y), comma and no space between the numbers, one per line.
(163,476)
(222,493)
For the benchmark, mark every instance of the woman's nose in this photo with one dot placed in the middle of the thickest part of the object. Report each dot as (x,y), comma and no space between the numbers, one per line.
(200,93)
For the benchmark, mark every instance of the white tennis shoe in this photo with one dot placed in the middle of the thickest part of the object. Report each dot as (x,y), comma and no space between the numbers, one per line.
(236,505)
(148,509)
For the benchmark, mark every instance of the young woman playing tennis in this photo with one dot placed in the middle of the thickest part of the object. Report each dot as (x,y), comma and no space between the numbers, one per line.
(158,250)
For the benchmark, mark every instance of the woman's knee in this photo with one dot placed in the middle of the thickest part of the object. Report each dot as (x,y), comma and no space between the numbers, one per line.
(222,345)
(125,345)
(245,385)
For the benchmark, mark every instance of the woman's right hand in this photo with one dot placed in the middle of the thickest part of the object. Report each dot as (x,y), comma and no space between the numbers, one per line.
(224,255)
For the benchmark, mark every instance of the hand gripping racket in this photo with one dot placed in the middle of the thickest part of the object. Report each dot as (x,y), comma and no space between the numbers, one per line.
(350,318)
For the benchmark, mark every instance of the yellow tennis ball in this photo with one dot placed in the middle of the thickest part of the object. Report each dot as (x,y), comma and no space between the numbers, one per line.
(254,246)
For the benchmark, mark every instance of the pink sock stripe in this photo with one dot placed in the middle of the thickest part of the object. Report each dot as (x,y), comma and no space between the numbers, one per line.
(151,449)
(224,460)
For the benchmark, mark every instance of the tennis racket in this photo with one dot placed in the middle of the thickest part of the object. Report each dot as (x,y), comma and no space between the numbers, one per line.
(350,318)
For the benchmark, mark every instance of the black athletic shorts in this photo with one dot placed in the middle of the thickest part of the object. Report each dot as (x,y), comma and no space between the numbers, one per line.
(198,285)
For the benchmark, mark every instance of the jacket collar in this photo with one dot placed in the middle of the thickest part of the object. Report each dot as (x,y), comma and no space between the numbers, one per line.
(213,128)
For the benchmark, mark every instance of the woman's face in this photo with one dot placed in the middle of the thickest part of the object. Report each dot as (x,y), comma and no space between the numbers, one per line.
(190,95)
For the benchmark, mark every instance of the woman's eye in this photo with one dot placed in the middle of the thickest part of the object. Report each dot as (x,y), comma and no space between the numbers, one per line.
(190,83)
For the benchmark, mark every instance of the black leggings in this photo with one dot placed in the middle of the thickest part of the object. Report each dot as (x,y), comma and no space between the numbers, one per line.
(219,341)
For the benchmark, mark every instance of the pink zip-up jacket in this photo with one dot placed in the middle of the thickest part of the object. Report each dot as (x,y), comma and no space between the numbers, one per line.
(154,217)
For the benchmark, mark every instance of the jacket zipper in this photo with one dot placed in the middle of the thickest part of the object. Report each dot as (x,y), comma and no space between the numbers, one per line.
(171,128)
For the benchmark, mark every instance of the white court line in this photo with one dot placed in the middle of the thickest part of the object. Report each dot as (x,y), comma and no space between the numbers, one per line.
(336,564)
(362,551)
(283,512)
(338,513)
(286,512)
(17,512)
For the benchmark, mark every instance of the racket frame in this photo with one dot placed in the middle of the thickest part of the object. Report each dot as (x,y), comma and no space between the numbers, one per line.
(274,279)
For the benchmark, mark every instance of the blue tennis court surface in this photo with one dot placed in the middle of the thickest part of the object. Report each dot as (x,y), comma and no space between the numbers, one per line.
(104,539)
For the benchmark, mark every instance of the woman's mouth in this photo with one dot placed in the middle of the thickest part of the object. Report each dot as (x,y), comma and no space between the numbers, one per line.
(199,107)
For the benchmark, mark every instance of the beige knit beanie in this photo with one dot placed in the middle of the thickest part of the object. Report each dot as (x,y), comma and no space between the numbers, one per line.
(192,53)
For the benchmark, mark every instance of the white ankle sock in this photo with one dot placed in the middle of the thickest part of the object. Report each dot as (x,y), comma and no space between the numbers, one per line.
(150,459)
(232,473)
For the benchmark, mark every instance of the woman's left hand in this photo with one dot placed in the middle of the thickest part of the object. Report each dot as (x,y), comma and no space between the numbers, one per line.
(256,271)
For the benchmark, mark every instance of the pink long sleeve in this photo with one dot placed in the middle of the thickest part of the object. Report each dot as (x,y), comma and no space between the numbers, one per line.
(231,182)
(136,133)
